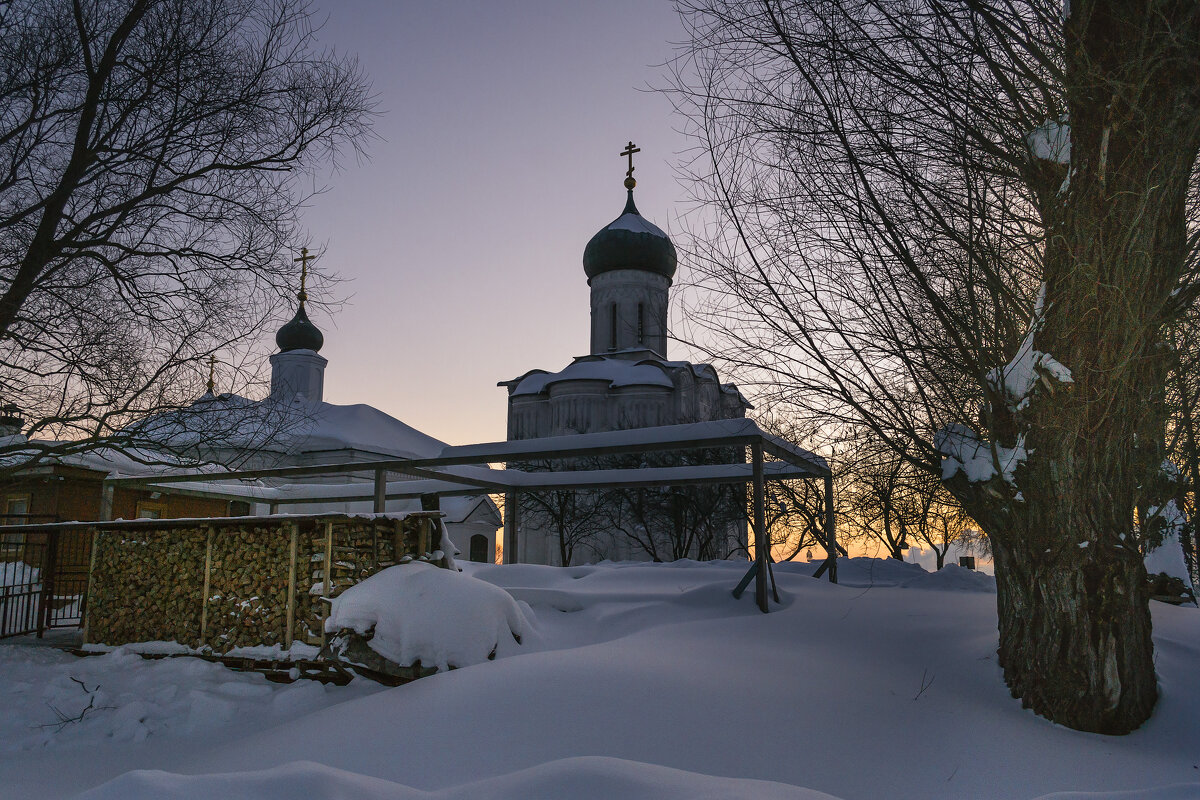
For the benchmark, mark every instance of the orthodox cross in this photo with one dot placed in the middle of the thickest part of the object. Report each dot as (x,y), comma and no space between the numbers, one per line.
(212,368)
(303,259)
(629,151)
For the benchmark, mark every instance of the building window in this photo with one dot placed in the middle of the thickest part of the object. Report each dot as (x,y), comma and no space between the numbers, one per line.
(16,509)
(612,334)
(641,324)
(16,512)
(149,510)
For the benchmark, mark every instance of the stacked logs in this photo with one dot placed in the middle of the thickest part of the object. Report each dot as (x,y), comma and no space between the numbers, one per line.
(248,583)
(149,583)
(146,586)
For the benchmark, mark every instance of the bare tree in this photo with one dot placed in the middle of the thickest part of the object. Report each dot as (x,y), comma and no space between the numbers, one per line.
(154,155)
(963,225)
(876,499)
(935,517)
(795,517)
(672,522)
(573,518)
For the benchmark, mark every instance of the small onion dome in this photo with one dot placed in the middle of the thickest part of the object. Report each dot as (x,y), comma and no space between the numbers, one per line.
(630,242)
(299,334)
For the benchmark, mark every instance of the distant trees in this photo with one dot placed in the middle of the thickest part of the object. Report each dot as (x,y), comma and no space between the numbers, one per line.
(967,228)
(153,158)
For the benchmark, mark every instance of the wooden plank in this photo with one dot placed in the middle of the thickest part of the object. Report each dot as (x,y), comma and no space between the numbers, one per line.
(291,597)
(87,597)
(106,501)
(207,573)
(327,576)
(380,490)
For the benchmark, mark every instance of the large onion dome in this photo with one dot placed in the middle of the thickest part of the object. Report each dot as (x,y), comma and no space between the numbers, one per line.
(630,242)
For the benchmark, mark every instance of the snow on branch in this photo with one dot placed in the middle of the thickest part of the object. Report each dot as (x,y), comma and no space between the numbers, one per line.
(1051,142)
(1017,381)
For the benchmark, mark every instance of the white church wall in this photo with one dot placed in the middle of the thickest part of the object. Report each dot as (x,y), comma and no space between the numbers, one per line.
(625,289)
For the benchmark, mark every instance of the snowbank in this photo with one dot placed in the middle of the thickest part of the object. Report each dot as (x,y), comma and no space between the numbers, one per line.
(51,699)
(953,578)
(440,617)
(574,778)
(654,681)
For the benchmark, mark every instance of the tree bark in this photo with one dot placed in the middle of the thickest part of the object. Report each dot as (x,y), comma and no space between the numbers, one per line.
(1075,635)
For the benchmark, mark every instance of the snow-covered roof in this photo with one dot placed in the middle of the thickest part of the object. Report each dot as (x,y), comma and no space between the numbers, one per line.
(617,372)
(291,426)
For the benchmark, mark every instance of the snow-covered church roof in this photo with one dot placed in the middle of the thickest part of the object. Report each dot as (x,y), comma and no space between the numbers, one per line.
(617,372)
(287,424)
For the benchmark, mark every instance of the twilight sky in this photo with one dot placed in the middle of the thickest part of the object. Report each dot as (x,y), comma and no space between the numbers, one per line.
(461,240)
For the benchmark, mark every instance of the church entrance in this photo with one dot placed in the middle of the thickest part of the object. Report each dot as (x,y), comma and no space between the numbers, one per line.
(478,548)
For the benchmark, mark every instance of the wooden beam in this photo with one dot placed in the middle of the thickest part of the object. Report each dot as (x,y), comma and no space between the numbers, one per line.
(327,577)
(831,544)
(380,491)
(512,519)
(106,501)
(288,632)
(761,545)
(204,601)
(87,597)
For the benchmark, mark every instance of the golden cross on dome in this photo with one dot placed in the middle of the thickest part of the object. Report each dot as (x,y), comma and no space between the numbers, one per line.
(629,151)
(212,372)
(303,259)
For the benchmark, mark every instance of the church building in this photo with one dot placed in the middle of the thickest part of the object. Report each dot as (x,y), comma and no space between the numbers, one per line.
(293,426)
(625,381)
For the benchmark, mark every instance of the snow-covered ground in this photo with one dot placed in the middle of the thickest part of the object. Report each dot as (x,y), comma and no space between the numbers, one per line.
(638,681)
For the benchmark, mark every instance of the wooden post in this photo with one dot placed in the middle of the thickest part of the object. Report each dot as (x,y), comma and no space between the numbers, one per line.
(761,546)
(291,596)
(327,572)
(49,570)
(380,491)
(87,597)
(273,509)
(106,502)
(512,502)
(830,530)
(207,585)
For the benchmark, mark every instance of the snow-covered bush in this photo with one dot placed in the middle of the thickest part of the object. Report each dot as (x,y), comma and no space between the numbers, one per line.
(417,612)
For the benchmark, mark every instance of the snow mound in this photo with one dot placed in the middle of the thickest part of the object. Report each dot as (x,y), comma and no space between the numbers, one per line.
(953,578)
(52,699)
(13,573)
(863,572)
(1179,791)
(583,778)
(440,617)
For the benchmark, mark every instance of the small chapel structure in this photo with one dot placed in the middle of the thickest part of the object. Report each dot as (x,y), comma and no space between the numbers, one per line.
(625,381)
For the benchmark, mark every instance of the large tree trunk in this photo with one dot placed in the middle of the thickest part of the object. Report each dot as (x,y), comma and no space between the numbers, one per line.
(1073,608)
(1075,635)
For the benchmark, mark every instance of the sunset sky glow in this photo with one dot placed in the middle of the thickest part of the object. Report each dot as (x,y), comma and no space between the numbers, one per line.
(460,240)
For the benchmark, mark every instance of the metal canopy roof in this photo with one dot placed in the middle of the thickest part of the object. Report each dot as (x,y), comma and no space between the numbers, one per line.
(457,470)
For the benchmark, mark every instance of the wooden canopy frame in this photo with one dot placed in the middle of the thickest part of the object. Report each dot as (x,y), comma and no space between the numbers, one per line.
(464,470)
